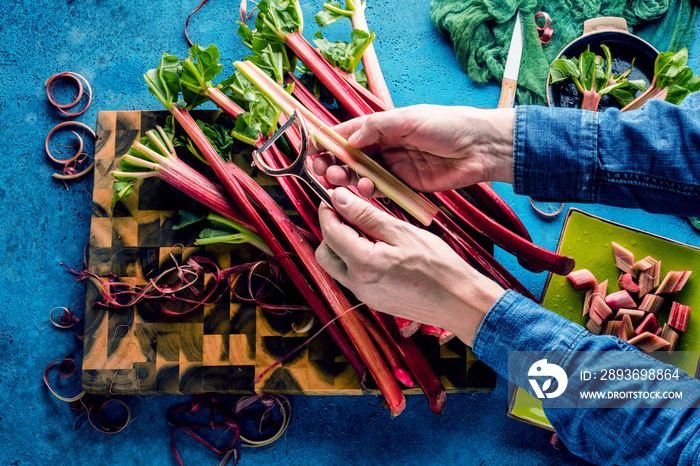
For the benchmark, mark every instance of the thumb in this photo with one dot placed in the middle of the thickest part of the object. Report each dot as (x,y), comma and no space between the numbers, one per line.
(365,217)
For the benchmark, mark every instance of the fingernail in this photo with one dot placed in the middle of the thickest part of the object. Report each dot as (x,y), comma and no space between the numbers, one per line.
(343,197)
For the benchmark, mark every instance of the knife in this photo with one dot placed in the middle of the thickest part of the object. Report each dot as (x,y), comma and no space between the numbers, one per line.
(510,75)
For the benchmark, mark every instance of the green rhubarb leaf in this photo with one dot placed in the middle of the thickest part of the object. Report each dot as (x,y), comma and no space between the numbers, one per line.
(122,189)
(588,67)
(345,55)
(219,134)
(271,57)
(668,66)
(624,91)
(361,78)
(196,73)
(276,18)
(246,34)
(186,219)
(676,94)
(164,80)
(563,68)
(332,12)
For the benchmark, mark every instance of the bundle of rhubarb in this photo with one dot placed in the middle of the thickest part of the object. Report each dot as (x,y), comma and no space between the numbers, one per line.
(631,313)
(285,74)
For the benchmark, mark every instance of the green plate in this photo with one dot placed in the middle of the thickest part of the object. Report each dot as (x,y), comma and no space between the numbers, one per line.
(587,239)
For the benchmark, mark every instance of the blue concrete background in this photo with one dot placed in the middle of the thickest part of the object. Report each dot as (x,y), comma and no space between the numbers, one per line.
(42,224)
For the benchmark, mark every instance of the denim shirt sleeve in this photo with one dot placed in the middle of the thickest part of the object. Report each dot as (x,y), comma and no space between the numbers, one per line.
(648,158)
(604,436)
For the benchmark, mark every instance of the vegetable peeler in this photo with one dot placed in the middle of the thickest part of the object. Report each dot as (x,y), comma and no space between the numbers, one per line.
(299,168)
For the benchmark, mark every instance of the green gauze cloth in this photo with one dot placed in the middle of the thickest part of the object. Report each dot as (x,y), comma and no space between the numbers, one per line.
(480,31)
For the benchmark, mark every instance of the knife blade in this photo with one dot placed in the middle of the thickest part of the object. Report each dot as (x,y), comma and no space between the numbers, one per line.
(510,74)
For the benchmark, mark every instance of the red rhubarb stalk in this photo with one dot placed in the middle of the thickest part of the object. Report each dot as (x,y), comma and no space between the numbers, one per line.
(407,328)
(391,356)
(234,179)
(503,237)
(415,361)
(494,205)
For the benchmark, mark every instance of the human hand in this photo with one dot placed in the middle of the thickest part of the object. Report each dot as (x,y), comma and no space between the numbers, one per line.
(406,271)
(431,148)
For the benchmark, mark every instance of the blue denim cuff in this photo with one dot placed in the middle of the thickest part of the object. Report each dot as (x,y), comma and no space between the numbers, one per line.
(516,323)
(550,159)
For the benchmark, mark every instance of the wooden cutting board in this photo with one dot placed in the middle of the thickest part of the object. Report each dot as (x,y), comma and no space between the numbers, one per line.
(220,348)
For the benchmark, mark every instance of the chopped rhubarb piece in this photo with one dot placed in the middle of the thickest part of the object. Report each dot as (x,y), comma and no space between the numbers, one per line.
(593,327)
(635,315)
(624,260)
(680,316)
(601,289)
(649,325)
(626,328)
(649,279)
(671,336)
(612,327)
(619,299)
(626,282)
(599,310)
(645,263)
(582,279)
(647,341)
(651,303)
(673,282)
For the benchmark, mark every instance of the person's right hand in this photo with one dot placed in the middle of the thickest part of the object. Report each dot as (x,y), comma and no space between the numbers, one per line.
(431,148)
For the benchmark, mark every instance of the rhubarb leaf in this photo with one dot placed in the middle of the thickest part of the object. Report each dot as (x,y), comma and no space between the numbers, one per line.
(332,12)
(668,66)
(276,18)
(563,68)
(345,55)
(196,73)
(187,219)
(164,80)
(271,57)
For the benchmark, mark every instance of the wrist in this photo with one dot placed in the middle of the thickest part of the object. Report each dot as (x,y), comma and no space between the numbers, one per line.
(494,141)
(476,304)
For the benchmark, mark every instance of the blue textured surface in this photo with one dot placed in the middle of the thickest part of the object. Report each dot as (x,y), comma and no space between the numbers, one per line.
(43,224)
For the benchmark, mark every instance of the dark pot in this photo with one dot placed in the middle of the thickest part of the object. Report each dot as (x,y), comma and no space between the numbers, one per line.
(623,46)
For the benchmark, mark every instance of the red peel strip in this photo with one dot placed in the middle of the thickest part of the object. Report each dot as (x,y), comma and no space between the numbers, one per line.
(67,162)
(61,363)
(545,32)
(187,21)
(99,425)
(546,214)
(51,85)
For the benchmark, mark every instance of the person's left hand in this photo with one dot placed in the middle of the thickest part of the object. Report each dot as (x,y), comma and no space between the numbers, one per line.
(406,271)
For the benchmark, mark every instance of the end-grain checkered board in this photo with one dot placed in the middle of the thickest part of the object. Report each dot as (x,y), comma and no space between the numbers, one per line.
(222,347)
